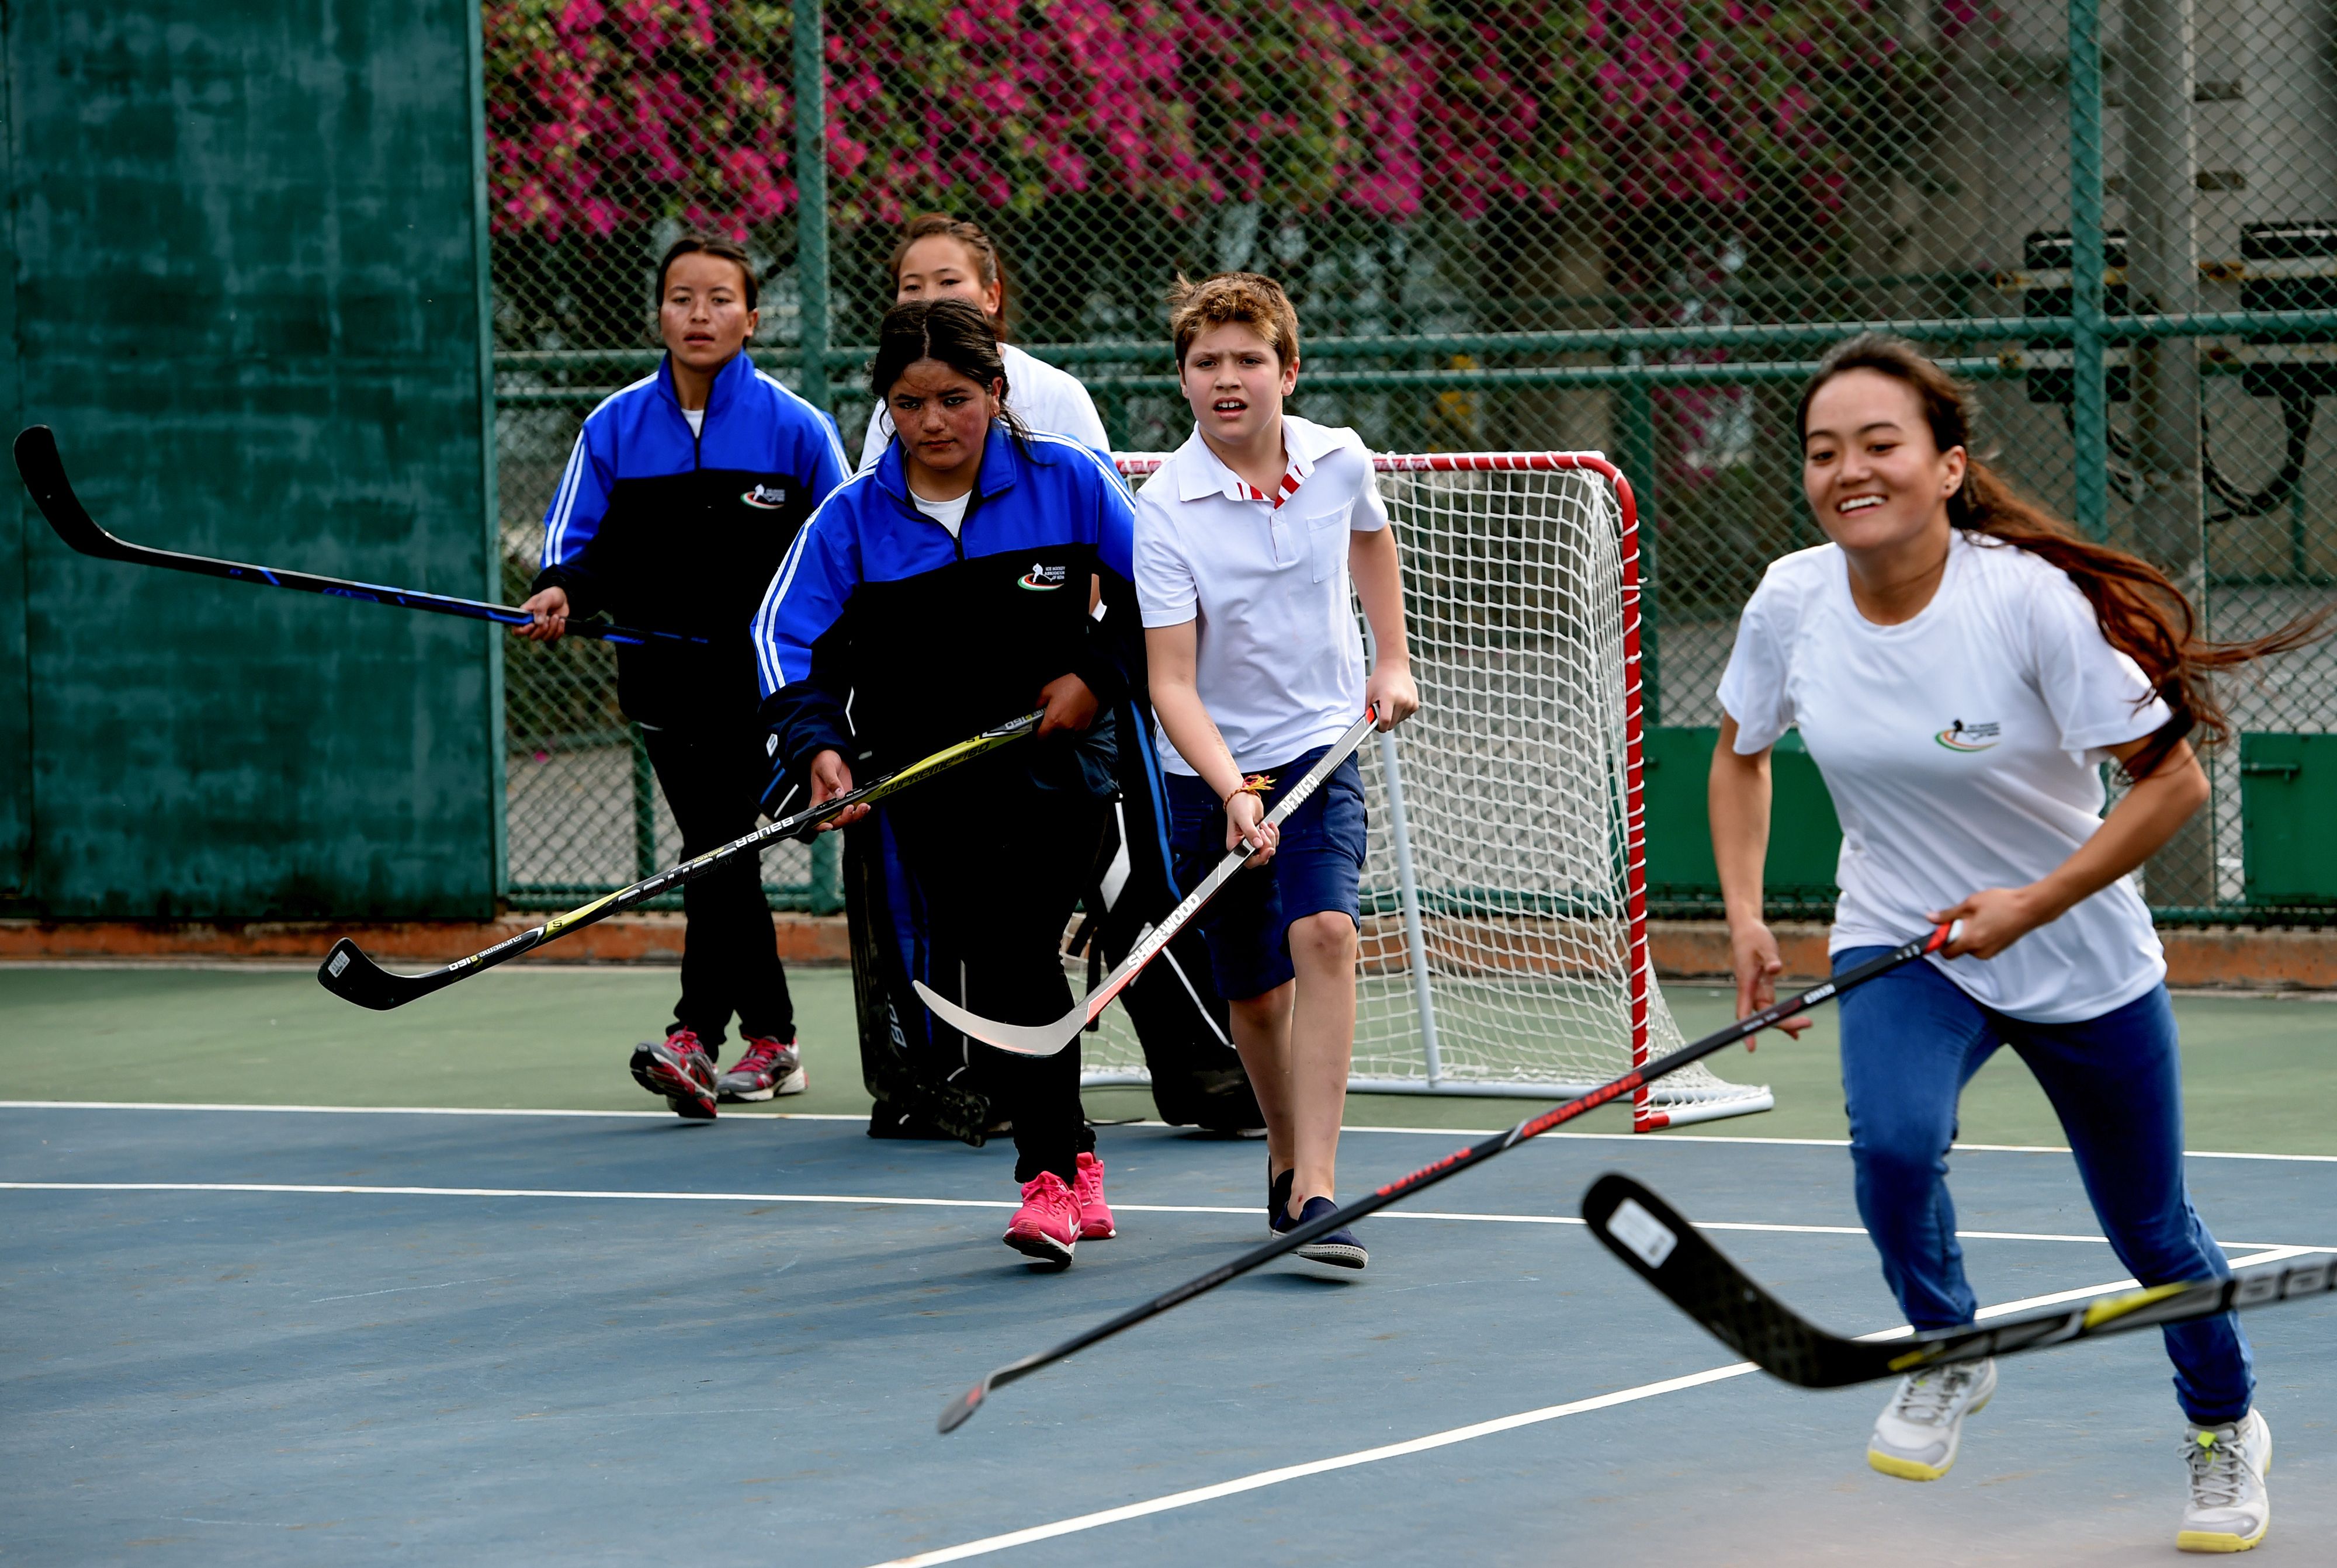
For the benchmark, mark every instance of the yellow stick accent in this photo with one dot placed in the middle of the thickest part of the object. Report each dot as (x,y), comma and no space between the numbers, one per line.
(559,923)
(2102,1311)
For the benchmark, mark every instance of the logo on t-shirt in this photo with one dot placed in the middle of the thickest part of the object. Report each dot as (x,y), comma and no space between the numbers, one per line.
(1962,736)
(766,497)
(1041,579)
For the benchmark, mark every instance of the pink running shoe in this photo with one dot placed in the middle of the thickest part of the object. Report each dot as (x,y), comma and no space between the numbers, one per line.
(1095,1214)
(1047,1226)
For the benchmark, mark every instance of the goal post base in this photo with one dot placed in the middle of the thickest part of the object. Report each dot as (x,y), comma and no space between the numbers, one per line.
(1680,1114)
(1708,1107)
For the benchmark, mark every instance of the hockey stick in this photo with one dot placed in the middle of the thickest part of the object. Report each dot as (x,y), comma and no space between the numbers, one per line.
(44,473)
(955,1413)
(1046,1039)
(1648,1234)
(352,976)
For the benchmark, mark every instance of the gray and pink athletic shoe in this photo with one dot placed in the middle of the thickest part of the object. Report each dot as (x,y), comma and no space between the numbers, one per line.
(678,1068)
(1047,1226)
(1095,1214)
(769,1067)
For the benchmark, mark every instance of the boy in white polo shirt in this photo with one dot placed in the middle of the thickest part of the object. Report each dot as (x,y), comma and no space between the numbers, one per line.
(1247,541)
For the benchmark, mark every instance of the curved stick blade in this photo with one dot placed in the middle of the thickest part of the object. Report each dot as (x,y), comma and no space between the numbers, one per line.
(955,1413)
(352,976)
(1023,1039)
(43,470)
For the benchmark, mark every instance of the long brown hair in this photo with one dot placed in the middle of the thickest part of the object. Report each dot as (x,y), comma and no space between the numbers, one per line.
(2142,614)
(978,244)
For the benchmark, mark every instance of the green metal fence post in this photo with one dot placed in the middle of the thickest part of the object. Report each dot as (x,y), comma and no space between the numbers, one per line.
(645,855)
(811,196)
(826,874)
(1114,410)
(1636,443)
(2090,408)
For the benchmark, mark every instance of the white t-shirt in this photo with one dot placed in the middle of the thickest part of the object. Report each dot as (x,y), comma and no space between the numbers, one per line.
(950,514)
(697,417)
(1280,662)
(1962,751)
(1043,397)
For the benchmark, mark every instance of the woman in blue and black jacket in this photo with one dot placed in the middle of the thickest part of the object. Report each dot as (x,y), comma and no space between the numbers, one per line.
(683,493)
(938,594)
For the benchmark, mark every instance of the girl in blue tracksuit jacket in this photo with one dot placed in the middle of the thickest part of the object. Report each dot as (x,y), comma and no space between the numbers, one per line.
(682,493)
(938,594)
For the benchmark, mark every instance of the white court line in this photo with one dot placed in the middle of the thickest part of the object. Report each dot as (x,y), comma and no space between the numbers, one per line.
(876,1199)
(403,1110)
(1639,1138)
(1264,1478)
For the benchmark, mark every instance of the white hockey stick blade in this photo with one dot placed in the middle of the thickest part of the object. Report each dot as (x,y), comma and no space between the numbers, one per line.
(1023,1039)
(1046,1039)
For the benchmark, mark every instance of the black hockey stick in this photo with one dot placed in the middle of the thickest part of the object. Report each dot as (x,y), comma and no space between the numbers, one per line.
(43,473)
(352,976)
(954,1413)
(1648,1234)
(1046,1039)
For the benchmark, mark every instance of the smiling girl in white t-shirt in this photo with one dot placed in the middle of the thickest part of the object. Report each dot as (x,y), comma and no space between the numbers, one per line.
(1960,666)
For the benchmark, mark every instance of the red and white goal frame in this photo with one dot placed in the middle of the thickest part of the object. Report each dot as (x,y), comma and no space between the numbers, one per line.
(1505,945)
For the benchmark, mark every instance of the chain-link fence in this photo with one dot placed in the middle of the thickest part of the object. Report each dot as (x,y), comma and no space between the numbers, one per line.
(1626,225)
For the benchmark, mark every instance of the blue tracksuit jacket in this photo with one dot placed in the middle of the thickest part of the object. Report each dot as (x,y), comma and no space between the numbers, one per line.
(681,531)
(928,639)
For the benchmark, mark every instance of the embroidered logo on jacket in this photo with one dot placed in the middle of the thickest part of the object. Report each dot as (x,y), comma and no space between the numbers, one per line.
(766,497)
(1962,736)
(1041,579)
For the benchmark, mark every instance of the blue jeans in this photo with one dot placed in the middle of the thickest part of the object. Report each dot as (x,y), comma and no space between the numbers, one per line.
(1910,1041)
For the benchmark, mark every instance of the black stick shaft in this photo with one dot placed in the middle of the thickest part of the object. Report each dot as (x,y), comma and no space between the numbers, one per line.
(1658,1244)
(44,473)
(1461,1159)
(349,974)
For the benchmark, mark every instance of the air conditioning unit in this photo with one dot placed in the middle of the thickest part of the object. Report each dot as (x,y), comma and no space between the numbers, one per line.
(2046,289)
(2289,267)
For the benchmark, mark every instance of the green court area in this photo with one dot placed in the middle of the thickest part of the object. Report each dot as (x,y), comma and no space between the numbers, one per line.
(2260,1072)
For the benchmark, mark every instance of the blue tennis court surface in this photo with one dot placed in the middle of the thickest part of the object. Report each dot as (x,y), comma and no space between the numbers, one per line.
(357,1337)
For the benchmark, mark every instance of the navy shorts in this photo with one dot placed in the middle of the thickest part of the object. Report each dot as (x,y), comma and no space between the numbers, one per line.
(1318,866)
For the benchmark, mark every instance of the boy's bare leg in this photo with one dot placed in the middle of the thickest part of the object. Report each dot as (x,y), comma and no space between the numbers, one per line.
(1261,1037)
(1322,1049)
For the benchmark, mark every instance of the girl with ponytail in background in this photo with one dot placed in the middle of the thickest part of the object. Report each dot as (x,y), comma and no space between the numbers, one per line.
(945,257)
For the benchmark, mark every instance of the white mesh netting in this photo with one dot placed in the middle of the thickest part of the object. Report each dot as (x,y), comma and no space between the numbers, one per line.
(1503,949)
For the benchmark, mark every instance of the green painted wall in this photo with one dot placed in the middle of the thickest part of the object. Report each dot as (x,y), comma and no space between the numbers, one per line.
(249,294)
(15,690)
(2289,829)
(1804,837)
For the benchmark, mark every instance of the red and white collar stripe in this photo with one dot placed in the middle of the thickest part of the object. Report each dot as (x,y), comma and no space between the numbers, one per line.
(1289,487)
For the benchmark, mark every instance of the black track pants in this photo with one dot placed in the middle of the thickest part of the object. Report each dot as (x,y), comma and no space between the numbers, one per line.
(712,779)
(1001,874)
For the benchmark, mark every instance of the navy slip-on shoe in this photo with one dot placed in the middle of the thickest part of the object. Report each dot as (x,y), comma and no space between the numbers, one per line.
(1277,1202)
(1339,1247)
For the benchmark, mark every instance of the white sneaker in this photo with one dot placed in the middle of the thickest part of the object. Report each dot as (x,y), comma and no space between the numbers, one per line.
(1915,1436)
(2230,1510)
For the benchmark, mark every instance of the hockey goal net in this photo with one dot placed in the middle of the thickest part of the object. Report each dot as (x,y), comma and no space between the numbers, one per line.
(1504,941)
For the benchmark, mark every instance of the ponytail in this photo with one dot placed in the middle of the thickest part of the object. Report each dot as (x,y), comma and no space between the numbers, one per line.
(2141,613)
